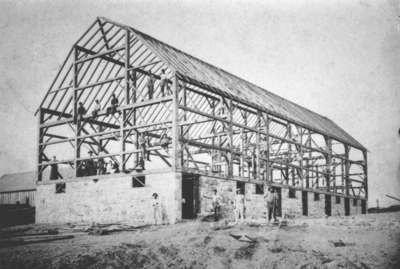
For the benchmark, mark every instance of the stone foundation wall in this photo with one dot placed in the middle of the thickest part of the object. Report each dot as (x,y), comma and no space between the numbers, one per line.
(109,199)
(113,199)
(355,209)
(254,202)
(316,208)
(255,206)
(291,206)
(226,190)
(337,208)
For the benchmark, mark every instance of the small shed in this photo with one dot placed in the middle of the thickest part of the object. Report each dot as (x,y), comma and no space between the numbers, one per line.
(18,188)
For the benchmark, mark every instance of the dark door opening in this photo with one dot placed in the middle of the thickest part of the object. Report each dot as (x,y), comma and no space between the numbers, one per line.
(346,206)
(304,202)
(328,205)
(363,207)
(190,196)
(279,203)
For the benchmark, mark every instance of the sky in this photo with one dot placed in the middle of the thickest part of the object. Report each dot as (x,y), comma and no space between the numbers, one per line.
(338,58)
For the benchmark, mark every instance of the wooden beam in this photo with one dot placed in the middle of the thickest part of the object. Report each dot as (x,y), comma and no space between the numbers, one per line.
(176,148)
(347,170)
(365,173)
(237,98)
(94,55)
(75,112)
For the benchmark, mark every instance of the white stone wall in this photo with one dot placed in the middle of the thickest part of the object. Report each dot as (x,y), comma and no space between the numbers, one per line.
(316,208)
(291,206)
(337,208)
(225,188)
(109,200)
(355,209)
(255,203)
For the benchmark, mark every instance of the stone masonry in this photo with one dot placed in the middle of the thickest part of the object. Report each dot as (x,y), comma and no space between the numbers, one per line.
(113,198)
(108,200)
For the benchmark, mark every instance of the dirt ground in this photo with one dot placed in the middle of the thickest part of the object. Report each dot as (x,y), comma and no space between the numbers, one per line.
(367,241)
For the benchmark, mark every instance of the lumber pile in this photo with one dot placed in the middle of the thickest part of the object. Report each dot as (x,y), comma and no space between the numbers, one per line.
(9,242)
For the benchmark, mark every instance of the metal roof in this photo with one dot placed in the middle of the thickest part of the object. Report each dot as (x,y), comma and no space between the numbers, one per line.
(200,71)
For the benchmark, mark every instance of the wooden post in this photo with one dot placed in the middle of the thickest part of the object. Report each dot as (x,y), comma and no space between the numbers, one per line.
(122,141)
(309,157)
(127,56)
(39,147)
(244,145)
(307,174)
(342,175)
(75,103)
(268,164)
(127,101)
(328,157)
(134,121)
(347,169)
(230,137)
(333,174)
(258,141)
(365,174)
(289,159)
(184,100)
(301,158)
(213,152)
(176,149)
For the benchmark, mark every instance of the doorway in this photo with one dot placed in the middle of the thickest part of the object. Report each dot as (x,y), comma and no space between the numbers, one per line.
(279,203)
(190,196)
(363,207)
(346,206)
(304,202)
(328,204)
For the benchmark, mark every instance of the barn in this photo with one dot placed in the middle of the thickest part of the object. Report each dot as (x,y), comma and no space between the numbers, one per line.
(18,188)
(17,198)
(128,115)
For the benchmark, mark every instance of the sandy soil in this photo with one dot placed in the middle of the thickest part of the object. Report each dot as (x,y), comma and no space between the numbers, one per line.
(370,241)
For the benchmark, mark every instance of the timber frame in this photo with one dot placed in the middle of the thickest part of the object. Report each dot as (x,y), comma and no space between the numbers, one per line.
(212,131)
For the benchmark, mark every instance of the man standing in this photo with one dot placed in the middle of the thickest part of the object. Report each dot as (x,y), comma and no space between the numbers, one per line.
(239,206)
(143,142)
(97,108)
(150,85)
(156,209)
(100,165)
(163,82)
(81,111)
(114,104)
(90,165)
(164,141)
(216,203)
(54,169)
(271,198)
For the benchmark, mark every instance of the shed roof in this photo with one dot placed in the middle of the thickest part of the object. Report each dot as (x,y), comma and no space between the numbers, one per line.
(17,182)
